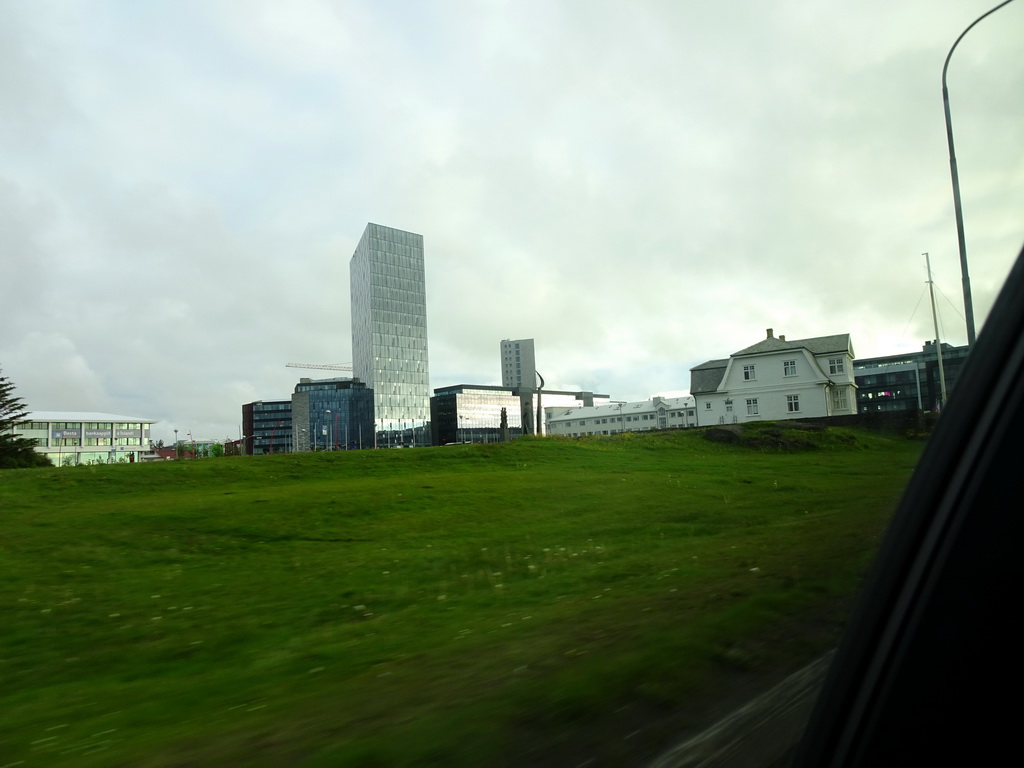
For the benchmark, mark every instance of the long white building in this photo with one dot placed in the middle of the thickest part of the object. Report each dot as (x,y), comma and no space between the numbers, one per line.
(613,418)
(68,438)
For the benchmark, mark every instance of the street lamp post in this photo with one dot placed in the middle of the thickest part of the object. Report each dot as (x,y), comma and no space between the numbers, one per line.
(622,424)
(957,208)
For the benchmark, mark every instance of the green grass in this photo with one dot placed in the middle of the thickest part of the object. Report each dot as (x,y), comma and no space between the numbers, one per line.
(467,605)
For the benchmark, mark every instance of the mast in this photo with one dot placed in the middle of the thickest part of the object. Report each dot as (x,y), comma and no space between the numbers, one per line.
(938,342)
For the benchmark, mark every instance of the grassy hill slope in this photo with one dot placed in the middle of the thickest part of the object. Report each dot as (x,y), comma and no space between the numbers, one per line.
(469,605)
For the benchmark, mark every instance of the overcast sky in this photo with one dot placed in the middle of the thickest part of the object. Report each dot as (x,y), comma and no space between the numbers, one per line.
(639,186)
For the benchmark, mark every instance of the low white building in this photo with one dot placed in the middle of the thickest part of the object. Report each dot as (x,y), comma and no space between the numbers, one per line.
(82,437)
(777,379)
(613,418)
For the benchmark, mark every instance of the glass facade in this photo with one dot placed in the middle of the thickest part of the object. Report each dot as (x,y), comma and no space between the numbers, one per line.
(267,426)
(909,382)
(471,413)
(467,414)
(332,414)
(389,331)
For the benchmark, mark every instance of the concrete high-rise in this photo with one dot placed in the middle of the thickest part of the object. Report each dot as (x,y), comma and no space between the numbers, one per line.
(389,331)
(518,364)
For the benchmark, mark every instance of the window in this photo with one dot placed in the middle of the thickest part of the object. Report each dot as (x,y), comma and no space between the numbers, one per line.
(789,368)
(792,403)
(752,406)
(707,406)
(748,373)
(835,365)
(839,399)
(728,407)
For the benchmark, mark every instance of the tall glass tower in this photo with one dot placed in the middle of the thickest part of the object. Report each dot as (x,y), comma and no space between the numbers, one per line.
(389,332)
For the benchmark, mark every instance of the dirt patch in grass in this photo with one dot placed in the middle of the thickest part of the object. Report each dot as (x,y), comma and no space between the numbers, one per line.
(787,436)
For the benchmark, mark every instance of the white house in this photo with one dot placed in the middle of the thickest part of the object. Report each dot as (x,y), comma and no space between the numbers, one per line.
(610,419)
(777,379)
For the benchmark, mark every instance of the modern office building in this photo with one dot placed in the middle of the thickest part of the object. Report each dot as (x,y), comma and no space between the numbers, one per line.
(518,363)
(613,418)
(267,427)
(908,382)
(69,438)
(332,414)
(389,330)
(471,413)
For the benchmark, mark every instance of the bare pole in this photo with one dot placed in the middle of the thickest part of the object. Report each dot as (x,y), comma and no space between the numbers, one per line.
(957,207)
(938,341)
(538,427)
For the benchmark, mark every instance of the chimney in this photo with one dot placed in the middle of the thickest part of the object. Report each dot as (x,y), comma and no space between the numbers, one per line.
(782,337)
(770,333)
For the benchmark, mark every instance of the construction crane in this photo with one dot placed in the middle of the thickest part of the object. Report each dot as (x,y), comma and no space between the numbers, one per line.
(321,366)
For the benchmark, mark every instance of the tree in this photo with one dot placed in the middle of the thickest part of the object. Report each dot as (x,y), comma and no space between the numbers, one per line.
(15,451)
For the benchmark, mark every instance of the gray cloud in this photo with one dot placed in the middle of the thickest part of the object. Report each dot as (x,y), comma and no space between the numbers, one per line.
(639,187)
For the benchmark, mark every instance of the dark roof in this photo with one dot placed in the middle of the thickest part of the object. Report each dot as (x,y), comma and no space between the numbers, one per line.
(818,345)
(707,376)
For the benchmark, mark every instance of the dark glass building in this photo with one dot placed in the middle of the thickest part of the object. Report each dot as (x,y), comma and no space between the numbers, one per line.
(471,413)
(267,426)
(908,382)
(332,414)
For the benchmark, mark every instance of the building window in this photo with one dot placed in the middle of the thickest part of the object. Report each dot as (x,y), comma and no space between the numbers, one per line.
(748,373)
(728,408)
(793,403)
(839,399)
(752,406)
(835,365)
(789,368)
(707,406)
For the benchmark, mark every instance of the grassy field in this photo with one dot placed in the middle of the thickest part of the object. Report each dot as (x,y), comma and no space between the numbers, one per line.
(534,603)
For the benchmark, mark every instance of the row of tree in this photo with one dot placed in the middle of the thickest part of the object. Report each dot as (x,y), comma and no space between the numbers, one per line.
(15,451)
